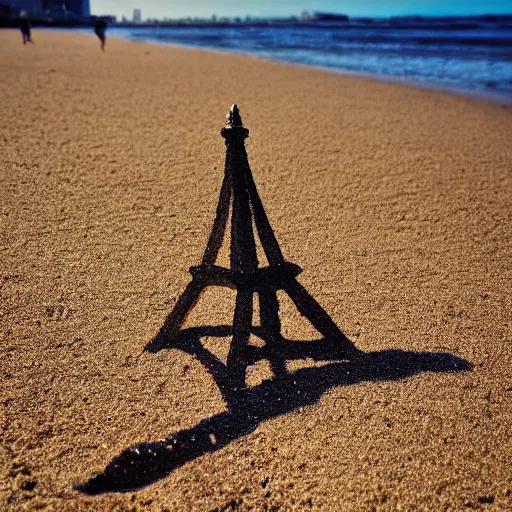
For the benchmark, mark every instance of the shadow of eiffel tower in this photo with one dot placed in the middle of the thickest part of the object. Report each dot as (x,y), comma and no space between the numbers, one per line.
(239,194)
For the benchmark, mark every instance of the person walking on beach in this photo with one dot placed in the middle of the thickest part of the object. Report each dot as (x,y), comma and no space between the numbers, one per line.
(100,27)
(25,28)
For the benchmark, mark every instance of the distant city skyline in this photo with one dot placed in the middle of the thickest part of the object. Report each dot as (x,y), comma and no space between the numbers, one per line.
(270,8)
(36,7)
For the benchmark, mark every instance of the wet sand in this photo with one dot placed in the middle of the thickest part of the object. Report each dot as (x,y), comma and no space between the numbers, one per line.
(396,202)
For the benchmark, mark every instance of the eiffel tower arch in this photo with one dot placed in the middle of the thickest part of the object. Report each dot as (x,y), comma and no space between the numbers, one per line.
(240,196)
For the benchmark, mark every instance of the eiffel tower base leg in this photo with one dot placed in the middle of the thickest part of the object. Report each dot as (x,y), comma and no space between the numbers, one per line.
(321,321)
(271,327)
(242,323)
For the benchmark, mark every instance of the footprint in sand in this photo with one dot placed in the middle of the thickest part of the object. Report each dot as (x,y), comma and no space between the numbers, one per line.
(59,312)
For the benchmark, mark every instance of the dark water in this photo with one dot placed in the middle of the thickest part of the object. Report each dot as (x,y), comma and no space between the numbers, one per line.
(471,54)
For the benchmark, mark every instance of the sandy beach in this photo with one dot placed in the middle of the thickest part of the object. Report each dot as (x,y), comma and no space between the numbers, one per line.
(397,204)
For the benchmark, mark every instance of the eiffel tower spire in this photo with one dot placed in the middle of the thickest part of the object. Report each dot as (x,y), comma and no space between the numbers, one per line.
(234,119)
(239,191)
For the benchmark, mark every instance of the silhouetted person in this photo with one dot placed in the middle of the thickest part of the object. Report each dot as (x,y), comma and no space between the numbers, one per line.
(100,27)
(25,28)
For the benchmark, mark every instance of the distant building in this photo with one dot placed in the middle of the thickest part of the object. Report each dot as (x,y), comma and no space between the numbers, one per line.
(80,8)
(137,15)
(55,8)
(6,11)
(33,8)
(75,8)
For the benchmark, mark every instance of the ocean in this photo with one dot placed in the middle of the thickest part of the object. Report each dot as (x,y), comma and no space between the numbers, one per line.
(464,54)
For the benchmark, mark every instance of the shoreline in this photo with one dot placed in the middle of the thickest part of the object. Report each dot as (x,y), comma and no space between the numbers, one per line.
(395,202)
(479,95)
(496,98)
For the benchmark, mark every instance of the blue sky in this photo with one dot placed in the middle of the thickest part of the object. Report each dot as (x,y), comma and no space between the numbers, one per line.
(205,8)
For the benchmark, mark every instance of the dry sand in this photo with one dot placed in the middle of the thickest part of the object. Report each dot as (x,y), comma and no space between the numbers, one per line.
(396,202)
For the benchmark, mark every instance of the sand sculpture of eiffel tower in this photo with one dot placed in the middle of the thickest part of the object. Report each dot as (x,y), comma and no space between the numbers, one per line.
(239,192)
